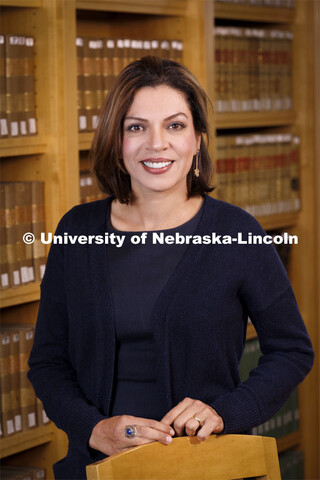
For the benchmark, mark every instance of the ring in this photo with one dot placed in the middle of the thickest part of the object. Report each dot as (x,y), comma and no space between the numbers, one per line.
(130,431)
(196,418)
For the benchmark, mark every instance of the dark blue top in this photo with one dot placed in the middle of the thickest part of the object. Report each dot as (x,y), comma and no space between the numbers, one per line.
(138,273)
(199,326)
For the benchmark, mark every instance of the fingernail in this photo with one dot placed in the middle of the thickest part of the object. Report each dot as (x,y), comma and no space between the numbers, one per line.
(168,439)
(172,432)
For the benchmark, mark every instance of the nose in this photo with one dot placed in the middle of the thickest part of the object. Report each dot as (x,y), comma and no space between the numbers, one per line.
(157,140)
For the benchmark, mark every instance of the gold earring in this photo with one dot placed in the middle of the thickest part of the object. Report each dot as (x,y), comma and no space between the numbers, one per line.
(196,171)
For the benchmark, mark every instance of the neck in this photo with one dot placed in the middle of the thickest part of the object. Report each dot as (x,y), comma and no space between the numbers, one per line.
(155,211)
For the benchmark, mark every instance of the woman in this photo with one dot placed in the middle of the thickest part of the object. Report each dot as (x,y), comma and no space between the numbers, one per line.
(140,339)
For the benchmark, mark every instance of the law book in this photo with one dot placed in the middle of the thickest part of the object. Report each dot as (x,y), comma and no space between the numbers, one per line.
(11,277)
(20,206)
(3,109)
(90,82)
(27,394)
(37,227)
(5,379)
(118,62)
(164,48)
(14,53)
(107,64)
(29,104)
(15,401)
(82,117)
(99,80)
(294,174)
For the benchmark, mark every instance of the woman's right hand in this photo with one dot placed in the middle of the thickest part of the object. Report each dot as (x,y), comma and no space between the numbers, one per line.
(108,436)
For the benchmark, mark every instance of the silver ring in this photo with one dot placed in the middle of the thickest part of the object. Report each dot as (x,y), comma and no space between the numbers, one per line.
(130,431)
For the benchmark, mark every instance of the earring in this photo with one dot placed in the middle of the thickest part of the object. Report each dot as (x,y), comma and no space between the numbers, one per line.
(196,171)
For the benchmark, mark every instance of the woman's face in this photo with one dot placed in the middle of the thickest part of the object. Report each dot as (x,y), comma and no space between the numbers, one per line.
(159,140)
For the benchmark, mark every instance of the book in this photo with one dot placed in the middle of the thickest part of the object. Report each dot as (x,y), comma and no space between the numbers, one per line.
(7,412)
(37,227)
(3,110)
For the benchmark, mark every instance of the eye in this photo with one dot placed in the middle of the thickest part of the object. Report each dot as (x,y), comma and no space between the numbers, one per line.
(176,126)
(136,127)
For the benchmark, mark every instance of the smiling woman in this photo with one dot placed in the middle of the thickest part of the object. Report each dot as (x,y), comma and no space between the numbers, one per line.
(139,342)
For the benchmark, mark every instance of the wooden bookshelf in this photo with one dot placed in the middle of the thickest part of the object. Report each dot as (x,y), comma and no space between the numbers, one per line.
(289,441)
(13,147)
(155,7)
(53,156)
(21,3)
(253,13)
(254,119)
(17,296)
(19,442)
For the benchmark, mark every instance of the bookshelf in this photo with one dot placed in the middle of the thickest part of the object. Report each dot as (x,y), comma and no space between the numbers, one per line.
(300,21)
(53,155)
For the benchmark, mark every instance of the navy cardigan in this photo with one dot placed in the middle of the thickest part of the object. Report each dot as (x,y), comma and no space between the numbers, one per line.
(199,322)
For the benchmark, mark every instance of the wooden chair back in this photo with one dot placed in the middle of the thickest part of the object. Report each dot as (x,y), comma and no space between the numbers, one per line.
(222,457)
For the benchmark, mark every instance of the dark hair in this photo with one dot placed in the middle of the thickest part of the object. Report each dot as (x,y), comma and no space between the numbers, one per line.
(106,151)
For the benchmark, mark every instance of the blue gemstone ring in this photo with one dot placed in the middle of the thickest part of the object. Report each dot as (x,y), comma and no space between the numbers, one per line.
(130,431)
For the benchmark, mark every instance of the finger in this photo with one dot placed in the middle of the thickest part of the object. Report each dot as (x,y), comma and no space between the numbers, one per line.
(148,422)
(211,425)
(176,411)
(191,426)
(155,435)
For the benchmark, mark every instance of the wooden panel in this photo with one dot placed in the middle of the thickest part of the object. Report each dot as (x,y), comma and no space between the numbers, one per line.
(22,146)
(16,296)
(29,439)
(254,119)
(233,11)
(289,441)
(282,220)
(159,7)
(21,3)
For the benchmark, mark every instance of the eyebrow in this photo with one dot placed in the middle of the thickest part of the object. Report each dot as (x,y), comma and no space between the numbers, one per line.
(166,119)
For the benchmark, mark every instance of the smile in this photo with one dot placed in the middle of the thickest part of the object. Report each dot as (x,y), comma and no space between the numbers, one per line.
(157,165)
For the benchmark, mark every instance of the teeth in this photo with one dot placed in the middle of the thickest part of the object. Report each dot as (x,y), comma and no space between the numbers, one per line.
(156,164)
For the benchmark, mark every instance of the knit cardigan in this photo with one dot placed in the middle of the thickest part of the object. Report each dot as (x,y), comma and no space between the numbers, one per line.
(199,322)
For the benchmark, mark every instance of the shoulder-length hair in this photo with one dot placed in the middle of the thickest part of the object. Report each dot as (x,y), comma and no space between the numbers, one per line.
(106,151)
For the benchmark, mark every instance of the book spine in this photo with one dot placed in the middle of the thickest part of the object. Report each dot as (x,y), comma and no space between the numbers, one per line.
(29,102)
(38,226)
(6,410)
(82,117)
(28,397)
(3,109)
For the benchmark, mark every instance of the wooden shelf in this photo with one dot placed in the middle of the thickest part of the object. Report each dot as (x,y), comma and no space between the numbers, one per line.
(85,140)
(16,296)
(281,220)
(155,7)
(254,119)
(19,442)
(20,146)
(289,441)
(254,13)
(251,332)
(21,3)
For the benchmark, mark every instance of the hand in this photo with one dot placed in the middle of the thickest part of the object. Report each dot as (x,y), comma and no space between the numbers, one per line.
(108,435)
(183,418)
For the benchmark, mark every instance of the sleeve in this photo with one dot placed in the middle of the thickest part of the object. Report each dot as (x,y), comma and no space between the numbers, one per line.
(51,373)
(287,354)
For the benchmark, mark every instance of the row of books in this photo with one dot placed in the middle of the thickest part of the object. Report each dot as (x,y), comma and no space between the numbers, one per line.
(17,100)
(89,190)
(259,173)
(9,472)
(99,61)
(291,465)
(22,215)
(20,409)
(286,420)
(265,3)
(253,69)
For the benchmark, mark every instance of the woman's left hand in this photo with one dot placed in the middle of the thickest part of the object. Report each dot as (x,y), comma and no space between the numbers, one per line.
(194,418)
